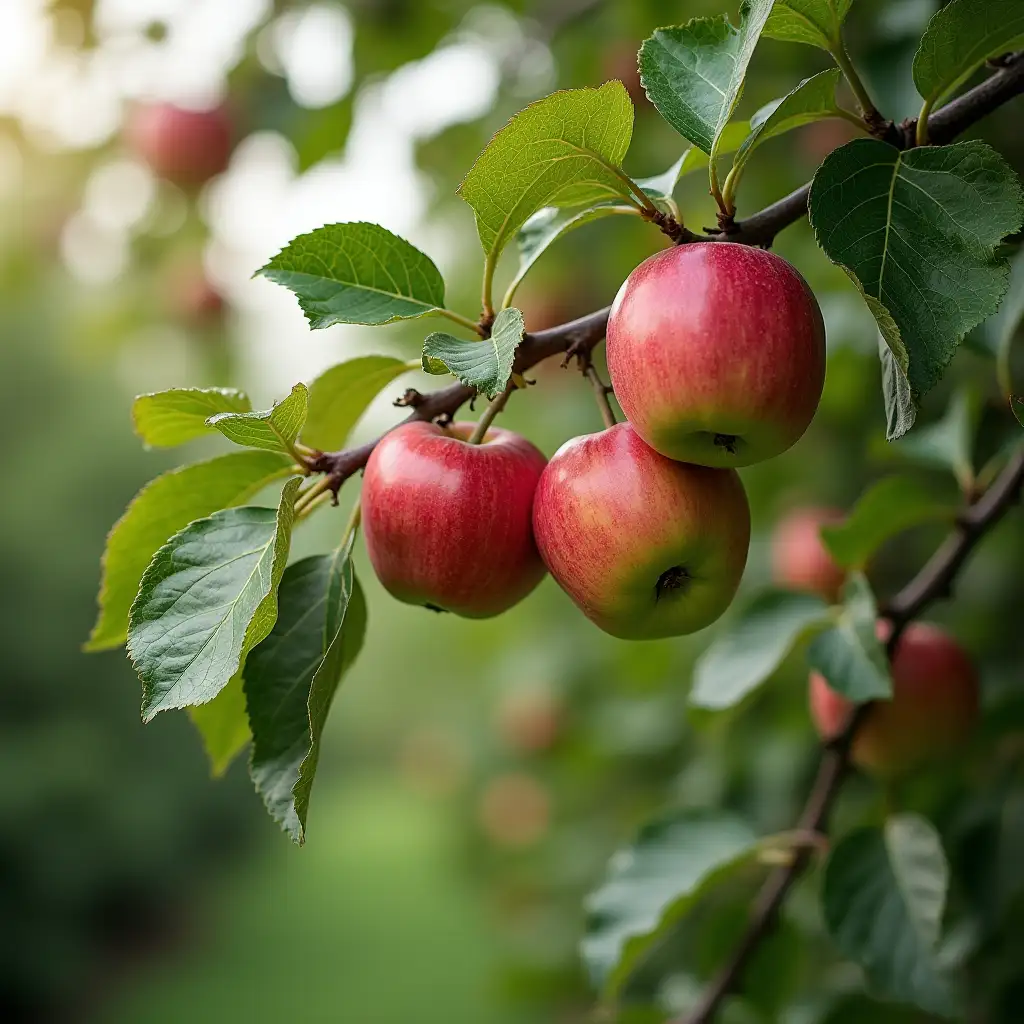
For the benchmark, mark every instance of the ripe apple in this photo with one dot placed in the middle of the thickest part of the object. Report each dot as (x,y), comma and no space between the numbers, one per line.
(717,353)
(646,547)
(187,147)
(447,523)
(932,711)
(799,557)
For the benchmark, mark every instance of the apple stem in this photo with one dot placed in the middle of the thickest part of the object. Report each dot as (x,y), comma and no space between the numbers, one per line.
(601,393)
(487,416)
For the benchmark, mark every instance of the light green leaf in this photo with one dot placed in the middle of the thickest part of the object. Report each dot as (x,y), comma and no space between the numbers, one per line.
(548,225)
(223,725)
(208,597)
(814,22)
(164,419)
(163,507)
(357,274)
(565,150)
(652,884)
(900,410)
(883,897)
(960,38)
(274,430)
(694,73)
(291,679)
(849,655)
(918,231)
(340,396)
(661,186)
(888,507)
(948,444)
(753,646)
(812,100)
(485,365)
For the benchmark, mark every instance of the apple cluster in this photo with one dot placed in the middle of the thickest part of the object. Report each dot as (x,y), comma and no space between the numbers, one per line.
(717,357)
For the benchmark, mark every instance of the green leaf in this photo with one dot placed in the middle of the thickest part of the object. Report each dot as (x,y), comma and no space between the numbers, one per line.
(960,38)
(753,646)
(900,410)
(884,894)
(208,597)
(693,73)
(814,22)
(485,365)
(357,274)
(812,100)
(565,150)
(274,430)
(948,444)
(661,186)
(291,679)
(849,655)
(888,507)
(340,396)
(918,231)
(164,419)
(996,334)
(223,725)
(652,884)
(163,507)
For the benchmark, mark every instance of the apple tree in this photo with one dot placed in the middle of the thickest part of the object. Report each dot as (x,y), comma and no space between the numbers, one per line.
(716,357)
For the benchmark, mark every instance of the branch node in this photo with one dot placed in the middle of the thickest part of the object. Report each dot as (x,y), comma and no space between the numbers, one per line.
(412,399)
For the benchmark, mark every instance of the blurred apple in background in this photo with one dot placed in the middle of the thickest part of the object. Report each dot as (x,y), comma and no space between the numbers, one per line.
(800,559)
(186,147)
(514,810)
(932,712)
(529,719)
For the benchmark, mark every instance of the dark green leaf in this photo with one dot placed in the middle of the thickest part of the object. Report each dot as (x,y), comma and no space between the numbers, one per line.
(960,38)
(564,150)
(883,898)
(694,73)
(918,231)
(163,507)
(274,430)
(849,655)
(340,396)
(948,444)
(888,507)
(996,334)
(485,365)
(167,418)
(812,100)
(752,647)
(357,274)
(208,597)
(651,885)
(814,22)
(223,725)
(292,676)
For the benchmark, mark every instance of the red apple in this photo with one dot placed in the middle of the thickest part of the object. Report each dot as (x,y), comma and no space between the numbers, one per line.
(717,353)
(187,147)
(932,711)
(799,557)
(529,718)
(447,523)
(646,547)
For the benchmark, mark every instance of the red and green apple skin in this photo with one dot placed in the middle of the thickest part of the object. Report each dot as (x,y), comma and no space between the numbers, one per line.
(800,559)
(448,523)
(645,546)
(717,353)
(933,710)
(186,147)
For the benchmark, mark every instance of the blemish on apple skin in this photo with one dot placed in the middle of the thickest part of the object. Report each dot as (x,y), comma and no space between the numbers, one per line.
(675,578)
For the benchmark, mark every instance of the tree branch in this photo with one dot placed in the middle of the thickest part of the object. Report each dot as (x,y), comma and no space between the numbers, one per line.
(933,583)
(580,336)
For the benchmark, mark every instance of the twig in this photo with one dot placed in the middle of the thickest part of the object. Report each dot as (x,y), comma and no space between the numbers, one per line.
(931,584)
(487,416)
(601,393)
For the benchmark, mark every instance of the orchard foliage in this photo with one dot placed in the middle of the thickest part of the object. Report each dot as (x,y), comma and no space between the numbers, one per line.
(198,581)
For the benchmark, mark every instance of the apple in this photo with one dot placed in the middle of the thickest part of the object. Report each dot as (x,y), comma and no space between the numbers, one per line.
(187,147)
(515,810)
(529,718)
(447,523)
(932,712)
(645,546)
(717,353)
(800,559)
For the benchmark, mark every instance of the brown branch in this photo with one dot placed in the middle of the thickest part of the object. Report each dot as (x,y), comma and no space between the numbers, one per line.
(933,583)
(601,393)
(580,336)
